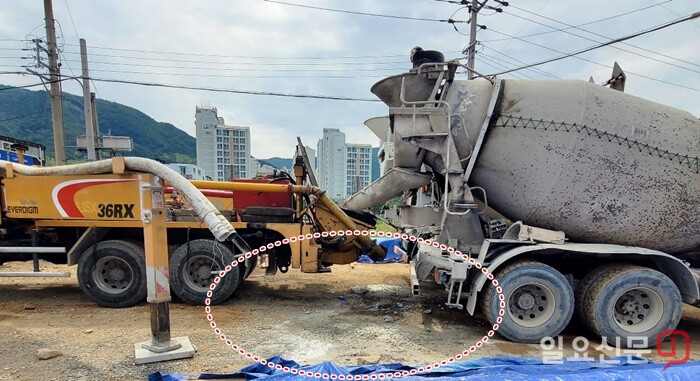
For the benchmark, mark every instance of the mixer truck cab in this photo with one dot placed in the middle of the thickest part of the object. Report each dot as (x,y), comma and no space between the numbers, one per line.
(579,200)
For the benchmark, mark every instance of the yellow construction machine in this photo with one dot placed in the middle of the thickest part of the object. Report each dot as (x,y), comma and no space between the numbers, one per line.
(94,213)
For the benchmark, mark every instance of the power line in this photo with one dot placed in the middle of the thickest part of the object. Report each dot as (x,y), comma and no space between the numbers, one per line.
(200,55)
(239,76)
(67,64)
(499,66)
(32,85)
(240,69)
(511,64)
(212,89)
(235,91)
(580,25)
(77,35)
(520,62)
(574,54)
(235,56)
(674,12)
(236,63)
(603,36)
(364,13)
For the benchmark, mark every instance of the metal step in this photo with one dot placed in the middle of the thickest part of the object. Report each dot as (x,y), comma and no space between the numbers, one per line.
(35,274)
(35,251)
(32,249)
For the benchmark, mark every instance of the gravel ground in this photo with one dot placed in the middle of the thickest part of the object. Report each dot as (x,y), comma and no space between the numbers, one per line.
(357,314)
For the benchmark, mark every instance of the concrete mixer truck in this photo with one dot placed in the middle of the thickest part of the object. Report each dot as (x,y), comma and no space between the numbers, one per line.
(582,200)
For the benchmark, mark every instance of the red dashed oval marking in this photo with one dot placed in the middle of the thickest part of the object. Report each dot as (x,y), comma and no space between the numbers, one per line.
(397,374)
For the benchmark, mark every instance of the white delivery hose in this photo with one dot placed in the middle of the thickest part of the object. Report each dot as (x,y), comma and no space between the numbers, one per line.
(219,226)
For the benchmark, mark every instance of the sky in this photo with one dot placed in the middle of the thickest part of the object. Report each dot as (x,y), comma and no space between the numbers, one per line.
(257,45)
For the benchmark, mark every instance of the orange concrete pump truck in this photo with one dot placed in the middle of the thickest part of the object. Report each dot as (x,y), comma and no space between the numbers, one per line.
(94,214)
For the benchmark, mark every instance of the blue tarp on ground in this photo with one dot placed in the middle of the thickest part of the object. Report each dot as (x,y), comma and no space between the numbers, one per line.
(487,369)
(388,244)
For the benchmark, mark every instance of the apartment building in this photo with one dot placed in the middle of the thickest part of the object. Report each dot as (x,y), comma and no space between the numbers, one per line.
(223,152)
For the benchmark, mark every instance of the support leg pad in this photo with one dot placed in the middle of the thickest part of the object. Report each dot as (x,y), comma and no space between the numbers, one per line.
(144,356)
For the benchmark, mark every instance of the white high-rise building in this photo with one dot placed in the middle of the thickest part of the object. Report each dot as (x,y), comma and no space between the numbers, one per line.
(311,154)
(332,154)
(188,171)
(222,151)
(359,167)
(205,121)
(342,169)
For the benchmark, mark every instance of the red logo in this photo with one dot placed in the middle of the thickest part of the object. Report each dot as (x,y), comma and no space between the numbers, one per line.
(674,334)
(64,193)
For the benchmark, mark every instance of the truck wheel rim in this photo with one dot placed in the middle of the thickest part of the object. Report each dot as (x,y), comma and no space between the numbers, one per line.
(112,275)
(199,272)
(531,305)
(638,310)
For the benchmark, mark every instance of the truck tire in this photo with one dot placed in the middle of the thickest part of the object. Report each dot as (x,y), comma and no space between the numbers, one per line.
(113,273)
(633,302)
(582,292)
(539,302)
(193,269)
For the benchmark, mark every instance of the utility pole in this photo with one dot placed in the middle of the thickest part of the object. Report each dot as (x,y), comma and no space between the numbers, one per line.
(87,104)
(55,92)
(474,9)
(95,125)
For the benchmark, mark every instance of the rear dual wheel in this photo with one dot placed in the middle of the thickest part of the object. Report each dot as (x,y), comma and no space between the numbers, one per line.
(113,273)
(539,302)
(629,305)
(193,267)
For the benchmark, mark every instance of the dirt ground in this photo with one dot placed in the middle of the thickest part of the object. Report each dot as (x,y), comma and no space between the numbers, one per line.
(305,317)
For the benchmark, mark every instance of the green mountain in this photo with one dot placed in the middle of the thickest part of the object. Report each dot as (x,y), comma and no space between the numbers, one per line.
(26,115)
(283,162)
(278,162)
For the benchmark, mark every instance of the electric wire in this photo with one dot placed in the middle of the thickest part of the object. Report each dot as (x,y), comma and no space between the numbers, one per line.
(504,65)
(576,53)
(238,56)
(34,84)
(228,62)
(499,66)
(520,62)
(77,36)
(606,37)
(242,69)
(70,15)
(222,90)
(311,76)
(580,25)
(363,13)
(675,13)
